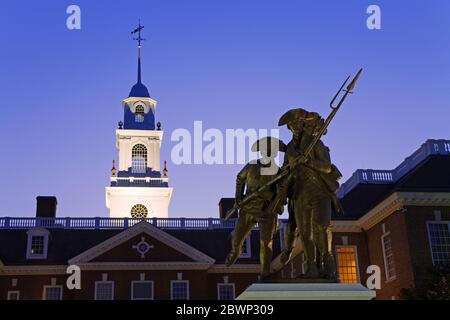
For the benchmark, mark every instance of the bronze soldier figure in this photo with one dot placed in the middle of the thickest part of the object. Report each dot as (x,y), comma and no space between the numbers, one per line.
(310,188)
(308,179)
(260,209)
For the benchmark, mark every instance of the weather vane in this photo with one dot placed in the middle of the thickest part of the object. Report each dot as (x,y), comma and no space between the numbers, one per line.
(138,31)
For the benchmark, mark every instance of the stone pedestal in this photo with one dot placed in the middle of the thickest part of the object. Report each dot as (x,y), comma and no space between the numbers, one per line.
(306,291)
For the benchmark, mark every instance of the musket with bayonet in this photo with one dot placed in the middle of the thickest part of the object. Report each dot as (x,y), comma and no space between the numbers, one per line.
(285,171)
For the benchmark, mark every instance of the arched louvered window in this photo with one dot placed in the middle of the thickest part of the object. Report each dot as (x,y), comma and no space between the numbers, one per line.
(139,211)
(139,159)
(139,114)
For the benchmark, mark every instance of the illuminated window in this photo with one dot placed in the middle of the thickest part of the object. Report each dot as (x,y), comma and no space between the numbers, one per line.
(179,290)
(104,290)
(139,211)
(142,290)
(388,256)
(225,291)
(139,114)
(139,159)
(347,263)
(52,292)
(439,238)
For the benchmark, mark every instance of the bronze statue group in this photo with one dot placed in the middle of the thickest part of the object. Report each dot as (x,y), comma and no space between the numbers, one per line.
(308,188)
(307,183)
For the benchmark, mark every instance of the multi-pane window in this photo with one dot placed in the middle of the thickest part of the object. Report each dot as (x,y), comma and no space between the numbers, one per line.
(104,290)
(179,290)
(225,291)
(439,237)
(139,158)
(53,292)
(388,255)
(139,211)
(347,263)
(142,290)
(37,244)
(13,295)
(139,114)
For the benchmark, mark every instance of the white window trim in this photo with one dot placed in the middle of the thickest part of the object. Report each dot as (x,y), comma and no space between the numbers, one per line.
(179,281)
(248,247)
(37,232)
(11,292)
(143,281)
(447,222)
(139,103)
(44,291)
(225,284)
(355,248)
(101,282)
(384,258)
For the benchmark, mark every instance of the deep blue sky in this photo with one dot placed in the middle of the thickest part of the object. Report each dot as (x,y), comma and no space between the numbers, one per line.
(231,64)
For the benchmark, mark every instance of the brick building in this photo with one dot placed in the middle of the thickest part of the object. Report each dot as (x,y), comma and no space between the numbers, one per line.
(397,220)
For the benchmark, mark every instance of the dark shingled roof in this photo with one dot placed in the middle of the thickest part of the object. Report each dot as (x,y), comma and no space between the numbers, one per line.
(431,175)
(65,244)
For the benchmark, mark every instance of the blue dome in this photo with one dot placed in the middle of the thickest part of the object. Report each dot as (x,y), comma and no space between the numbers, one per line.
(139,90)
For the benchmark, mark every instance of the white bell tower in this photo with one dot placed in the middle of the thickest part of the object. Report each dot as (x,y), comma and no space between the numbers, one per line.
(138,189)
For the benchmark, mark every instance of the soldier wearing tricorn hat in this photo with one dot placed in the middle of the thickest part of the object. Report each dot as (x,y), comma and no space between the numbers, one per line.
(310,188)
(309,180)
(260,209)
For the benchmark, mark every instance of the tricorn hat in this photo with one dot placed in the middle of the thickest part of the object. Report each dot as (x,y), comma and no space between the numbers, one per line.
(263,143)
(298,114)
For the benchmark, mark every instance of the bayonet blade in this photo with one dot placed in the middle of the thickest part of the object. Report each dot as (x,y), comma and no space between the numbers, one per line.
(352,84)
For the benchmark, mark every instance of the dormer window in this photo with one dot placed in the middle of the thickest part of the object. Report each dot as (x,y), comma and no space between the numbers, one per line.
(139,114)
(37,244)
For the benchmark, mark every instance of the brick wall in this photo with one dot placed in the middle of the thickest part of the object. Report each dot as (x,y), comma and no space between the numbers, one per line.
(416,224)
(202,285)
(404,278)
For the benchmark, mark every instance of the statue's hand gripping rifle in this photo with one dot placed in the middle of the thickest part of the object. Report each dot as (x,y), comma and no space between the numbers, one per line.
(286,170)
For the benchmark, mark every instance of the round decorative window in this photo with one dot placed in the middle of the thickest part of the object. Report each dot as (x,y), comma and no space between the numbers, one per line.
(139,211)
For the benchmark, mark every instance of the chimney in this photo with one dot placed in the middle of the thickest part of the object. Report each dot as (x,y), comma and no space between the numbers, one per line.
(225,205)
(46,207)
